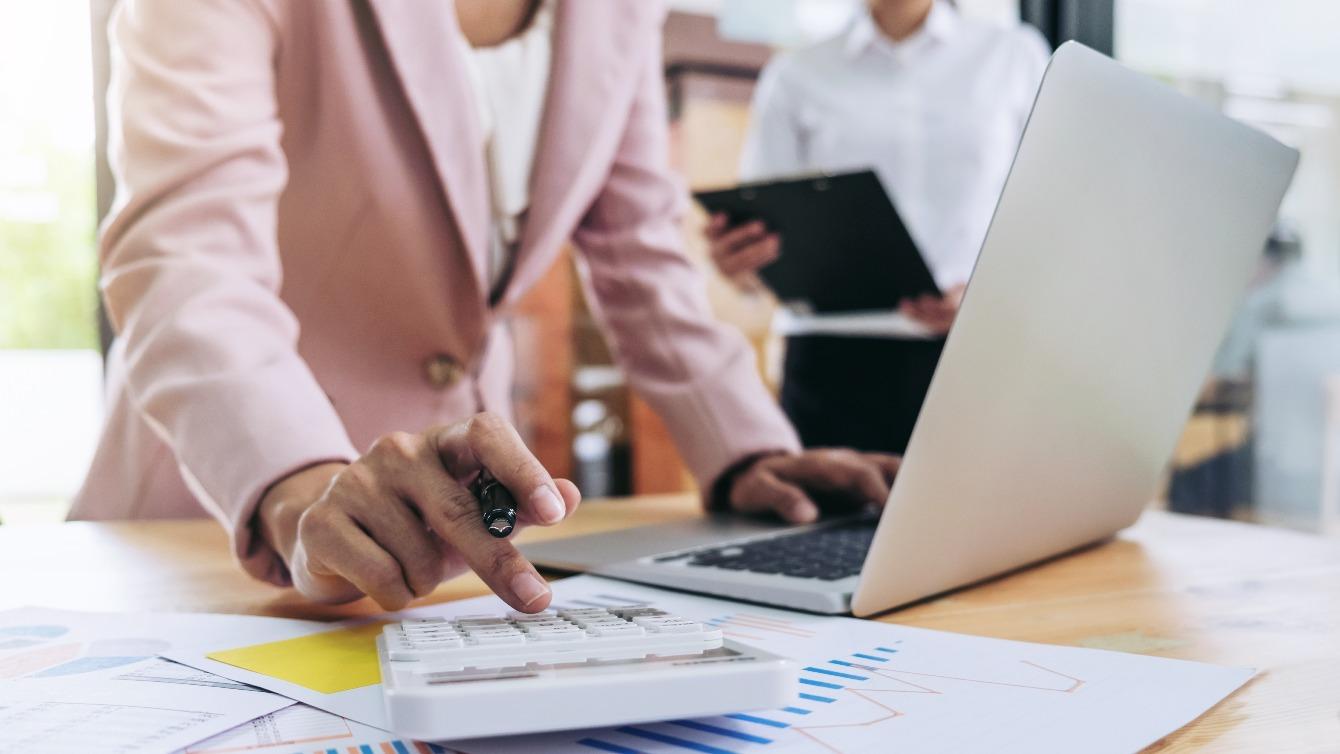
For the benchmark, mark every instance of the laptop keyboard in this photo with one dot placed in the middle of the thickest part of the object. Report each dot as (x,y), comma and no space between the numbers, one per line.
(828,553)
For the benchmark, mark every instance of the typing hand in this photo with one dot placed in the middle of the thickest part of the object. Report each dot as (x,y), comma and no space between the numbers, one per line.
(399,520)
(788,484)
(740,252)
(935,312)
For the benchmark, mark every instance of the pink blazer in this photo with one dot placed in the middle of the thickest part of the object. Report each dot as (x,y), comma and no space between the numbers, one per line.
(295,263)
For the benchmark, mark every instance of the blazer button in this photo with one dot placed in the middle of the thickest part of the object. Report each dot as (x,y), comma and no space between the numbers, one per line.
(442,371)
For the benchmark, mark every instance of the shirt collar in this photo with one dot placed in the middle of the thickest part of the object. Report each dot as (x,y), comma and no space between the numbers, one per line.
(941,23)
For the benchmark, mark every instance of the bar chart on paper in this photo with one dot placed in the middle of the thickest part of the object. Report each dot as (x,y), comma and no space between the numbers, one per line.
(866,687)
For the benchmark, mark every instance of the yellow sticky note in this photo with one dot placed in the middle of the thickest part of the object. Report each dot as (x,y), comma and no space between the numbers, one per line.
(327,662)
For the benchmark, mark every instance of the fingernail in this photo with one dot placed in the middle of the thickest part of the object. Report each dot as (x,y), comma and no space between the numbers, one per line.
(527,587)
(804,513)
(547,505)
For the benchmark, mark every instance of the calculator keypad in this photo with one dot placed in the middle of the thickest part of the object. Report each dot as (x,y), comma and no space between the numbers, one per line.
(549,637)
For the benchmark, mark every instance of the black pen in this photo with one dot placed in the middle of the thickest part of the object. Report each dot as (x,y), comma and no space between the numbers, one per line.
(496,505)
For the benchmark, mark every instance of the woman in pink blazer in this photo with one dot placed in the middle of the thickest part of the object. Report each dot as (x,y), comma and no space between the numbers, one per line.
(297,268)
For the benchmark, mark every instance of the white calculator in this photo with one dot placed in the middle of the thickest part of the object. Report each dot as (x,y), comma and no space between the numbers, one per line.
(483,675)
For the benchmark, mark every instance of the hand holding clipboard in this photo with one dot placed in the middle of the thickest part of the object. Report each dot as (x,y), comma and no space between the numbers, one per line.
(826,244)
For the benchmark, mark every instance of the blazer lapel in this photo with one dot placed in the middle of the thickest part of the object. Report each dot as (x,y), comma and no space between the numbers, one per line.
(594,55)
(419,37)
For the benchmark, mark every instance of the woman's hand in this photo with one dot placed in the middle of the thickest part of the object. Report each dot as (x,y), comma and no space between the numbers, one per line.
(935,312)
(400,519)
(796,486)
(740,252)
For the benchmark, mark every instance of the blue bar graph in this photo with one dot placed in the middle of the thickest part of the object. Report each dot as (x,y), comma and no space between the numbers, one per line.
(820,684)
(848,676)
(817,698)
(399,747)
(720,731)
(595,743)
(759,720)
(664,739)
(682,743)
(364,749)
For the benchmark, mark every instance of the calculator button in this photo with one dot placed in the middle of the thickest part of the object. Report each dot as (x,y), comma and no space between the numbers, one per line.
(634,612)
(602,622)
(676,627)
(561,636)
(566,628)
(499,639)
(651,620)
(532,616)
(490,630)
(438,643)
(623,629)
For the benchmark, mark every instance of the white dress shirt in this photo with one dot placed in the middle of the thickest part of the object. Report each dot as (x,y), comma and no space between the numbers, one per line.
(937,116)
(510,81)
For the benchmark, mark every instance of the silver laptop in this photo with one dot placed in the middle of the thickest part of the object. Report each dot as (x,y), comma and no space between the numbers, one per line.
(1130,225)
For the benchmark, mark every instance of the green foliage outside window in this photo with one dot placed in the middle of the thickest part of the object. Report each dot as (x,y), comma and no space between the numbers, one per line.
(48,297)
(48,269)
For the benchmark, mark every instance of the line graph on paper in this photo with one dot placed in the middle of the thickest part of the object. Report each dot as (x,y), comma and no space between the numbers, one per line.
(878,691)
(841,703)
(305,730)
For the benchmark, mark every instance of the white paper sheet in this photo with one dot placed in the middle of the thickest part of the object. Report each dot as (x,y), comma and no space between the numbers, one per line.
(80,682)
(867,686)
(300,729)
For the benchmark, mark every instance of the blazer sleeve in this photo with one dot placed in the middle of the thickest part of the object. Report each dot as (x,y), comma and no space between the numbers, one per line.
(190,267)
(699,375)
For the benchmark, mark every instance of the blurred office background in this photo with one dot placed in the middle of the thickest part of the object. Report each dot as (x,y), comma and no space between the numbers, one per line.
(1263,444)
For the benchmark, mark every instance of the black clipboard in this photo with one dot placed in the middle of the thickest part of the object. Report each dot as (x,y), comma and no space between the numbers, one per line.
(844,247)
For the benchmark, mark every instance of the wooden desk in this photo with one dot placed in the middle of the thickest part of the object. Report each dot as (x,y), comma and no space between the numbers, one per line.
(1173,586)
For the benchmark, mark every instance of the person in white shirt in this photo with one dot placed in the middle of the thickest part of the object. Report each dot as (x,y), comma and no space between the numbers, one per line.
(935,104)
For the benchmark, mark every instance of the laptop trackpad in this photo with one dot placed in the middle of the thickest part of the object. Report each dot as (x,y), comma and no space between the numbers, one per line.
(595,550)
